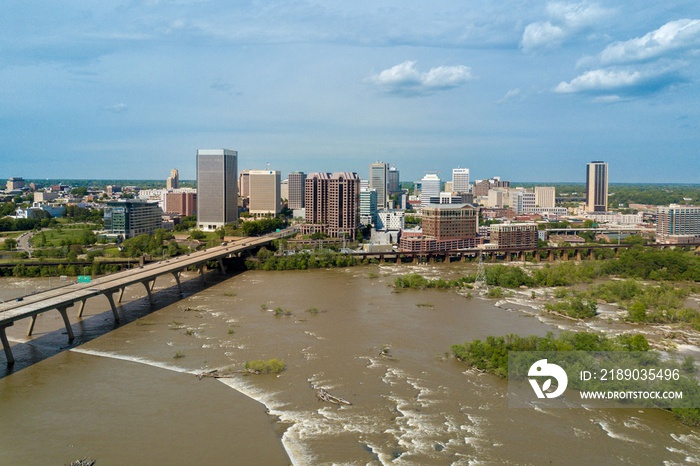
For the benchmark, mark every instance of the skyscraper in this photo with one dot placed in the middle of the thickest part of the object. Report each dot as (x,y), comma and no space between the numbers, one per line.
(545,196)
(460,180)
(217,199)
(332,204)
(597,187)
(173,181)
(393,182)
(378,180)
(296,190)
(430,187)
(264,192)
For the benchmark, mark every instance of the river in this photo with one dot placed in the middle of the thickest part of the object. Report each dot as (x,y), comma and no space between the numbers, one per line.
(129,394)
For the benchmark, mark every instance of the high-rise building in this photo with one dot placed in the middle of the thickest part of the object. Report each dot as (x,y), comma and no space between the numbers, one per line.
(173,181)
(244,184)
(460,180)
(217,187)
(296,182)
(378,178)
(368,206)
(430,187)
(445,227)
(393,182)
(545,196)
(264,192)
(677,224)
(132,217)
(332,204)
(597,187)
(15,183)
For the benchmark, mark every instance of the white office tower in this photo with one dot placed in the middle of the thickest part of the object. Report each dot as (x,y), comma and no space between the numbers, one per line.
(430,187)
(460,180)
(264,193)
(597,187)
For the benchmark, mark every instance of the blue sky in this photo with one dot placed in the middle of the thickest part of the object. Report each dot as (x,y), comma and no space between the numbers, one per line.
(525,90)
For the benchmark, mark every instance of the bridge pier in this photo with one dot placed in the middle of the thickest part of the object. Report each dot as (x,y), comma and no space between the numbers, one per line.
(64,314)
(110,298)
(176,274)
(149,286)
(222,268)
(81,308)
(6,345)
(121,294)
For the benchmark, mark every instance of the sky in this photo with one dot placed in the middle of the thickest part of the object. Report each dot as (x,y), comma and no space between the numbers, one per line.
(524,90)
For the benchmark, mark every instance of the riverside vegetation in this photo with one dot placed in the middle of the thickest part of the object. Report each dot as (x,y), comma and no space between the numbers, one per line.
(492,355)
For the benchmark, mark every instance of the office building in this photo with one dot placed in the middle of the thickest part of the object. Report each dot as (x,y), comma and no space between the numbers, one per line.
(378,177)
(296,182)
(264,188)
(181,203)
(244,184)
(597,187)
(514,235)
(481,187)
(545,196)
(173,181)
(430,187)
(368,206)
(129,218)
(217,187)
(332,204)
(393,181)
(445,227)
(15,184)
(678,224)
(460,180)
(390,220)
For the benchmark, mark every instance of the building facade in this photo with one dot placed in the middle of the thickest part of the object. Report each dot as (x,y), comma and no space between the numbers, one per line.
(430,187)
(445,227)
(391,220)
(332,204)
(378,179)
(264,193)
(217,188)
(244,184)
(514,235)
(368,206)
(173,181)
(678,224)
(393,181)
(132,217)
(460,180)
(296,181)
(597,187)
(181,203)
(545,196)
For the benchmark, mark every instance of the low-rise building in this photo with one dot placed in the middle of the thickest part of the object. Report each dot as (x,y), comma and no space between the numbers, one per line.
(131,217)
(444,227)
(514,235)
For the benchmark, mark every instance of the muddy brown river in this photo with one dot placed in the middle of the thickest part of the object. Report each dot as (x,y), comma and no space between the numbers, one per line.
(129,393)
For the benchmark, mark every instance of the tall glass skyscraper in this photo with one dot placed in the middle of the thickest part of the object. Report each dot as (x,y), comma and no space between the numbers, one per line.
(378,180)
(217,188)
(597,187)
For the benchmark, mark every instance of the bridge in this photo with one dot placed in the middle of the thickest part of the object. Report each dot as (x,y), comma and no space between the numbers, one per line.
(62,298)
(507,254)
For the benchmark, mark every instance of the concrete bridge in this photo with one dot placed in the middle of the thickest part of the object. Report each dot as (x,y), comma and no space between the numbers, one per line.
(60,299)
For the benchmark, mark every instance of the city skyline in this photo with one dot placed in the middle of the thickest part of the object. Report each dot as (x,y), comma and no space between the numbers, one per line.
(527,92)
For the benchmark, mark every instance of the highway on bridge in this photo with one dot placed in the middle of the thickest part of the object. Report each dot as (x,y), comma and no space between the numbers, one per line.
(64,297)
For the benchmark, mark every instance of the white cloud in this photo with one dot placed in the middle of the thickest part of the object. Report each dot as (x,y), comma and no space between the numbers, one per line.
(612,81)
(672,36)
(118,108)
(510,95)
(564,21)
(405,79)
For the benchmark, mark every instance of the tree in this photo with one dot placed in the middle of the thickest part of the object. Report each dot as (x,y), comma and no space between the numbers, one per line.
(10,244)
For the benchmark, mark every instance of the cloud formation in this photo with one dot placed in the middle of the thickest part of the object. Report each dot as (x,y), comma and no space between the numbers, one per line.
(640,66)
(673,36)
(404,79)
(564,21)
